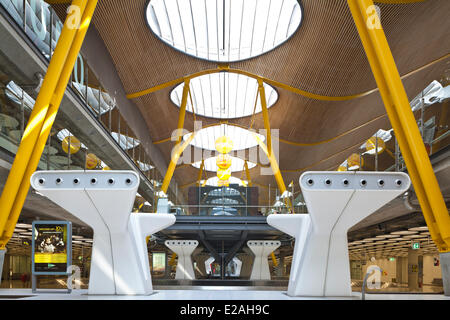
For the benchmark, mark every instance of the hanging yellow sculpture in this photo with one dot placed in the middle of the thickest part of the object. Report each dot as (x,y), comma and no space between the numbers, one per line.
(354,160)
(224,174)
(75,144)
(224,144)
(92,161)
(371,144)
(223,161)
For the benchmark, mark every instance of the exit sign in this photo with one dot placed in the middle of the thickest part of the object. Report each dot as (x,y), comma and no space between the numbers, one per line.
(416,245)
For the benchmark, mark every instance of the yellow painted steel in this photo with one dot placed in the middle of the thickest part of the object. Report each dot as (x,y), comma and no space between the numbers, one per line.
(172,259)
(274,259)
(182,113)
(179,147)
(247,172)
(265,113)
(275,170)
(37,117)
(403,122)
(178,150)
(49,120)
(294,143)
(251,75)
(200,172)
(273,83)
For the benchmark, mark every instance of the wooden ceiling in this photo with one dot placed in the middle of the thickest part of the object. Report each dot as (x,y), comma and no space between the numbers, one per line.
(324,56)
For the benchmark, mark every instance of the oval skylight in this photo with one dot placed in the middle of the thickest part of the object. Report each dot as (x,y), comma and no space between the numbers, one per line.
(224,30)
(237,164)
(224,95)
(206,137)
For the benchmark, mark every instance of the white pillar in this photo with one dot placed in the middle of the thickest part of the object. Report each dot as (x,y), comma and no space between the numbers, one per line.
(336,201)
(2,261)
(261,249)
(413,270)
(445,268)
(208,265)
(183,249)
(104,200)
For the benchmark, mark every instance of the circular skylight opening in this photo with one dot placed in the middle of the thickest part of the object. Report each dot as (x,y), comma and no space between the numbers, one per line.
(237,164)
(242,138)
(224,95)
(224,30)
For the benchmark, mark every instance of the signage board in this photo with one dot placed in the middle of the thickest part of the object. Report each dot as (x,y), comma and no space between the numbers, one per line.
(159,261)
(51,247)
(416,245)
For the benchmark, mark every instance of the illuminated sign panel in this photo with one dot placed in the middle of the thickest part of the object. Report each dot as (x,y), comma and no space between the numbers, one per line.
(51,247)
(159,261)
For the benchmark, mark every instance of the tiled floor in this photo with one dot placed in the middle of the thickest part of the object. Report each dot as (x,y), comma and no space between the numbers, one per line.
(216,293)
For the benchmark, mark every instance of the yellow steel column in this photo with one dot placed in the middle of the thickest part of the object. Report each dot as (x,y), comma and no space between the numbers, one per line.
(179,147)
(274,259)
(247,172)
(49,120)
(200,172)
(402,119)
(265,113)
(36,121)
(268,150)
(276,170)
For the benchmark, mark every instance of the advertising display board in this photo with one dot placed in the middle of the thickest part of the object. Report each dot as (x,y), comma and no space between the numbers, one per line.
(159,262)
(51,247)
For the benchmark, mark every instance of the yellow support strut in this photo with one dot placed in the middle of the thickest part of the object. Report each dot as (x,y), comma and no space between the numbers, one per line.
(179,147)
(49,120)
(403,122)
(38,115)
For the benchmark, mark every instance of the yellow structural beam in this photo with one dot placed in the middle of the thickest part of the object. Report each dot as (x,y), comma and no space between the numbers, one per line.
(179,147)
(247,172)
(274,259)
(265,113)
(38,115)
(275,170)
(49,119)
(273,83)
(251,75)
(172,259)
(403,122)
(200,172)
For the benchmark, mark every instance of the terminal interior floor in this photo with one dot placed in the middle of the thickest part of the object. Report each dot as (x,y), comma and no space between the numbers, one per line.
(227,149)
(212,293)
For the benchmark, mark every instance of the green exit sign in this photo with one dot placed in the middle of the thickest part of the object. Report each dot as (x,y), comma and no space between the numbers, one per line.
(416,245)
(391,259)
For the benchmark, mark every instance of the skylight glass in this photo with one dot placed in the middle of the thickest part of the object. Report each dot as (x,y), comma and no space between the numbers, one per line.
(224,30)
(224,95)
(237,164)
(242,138)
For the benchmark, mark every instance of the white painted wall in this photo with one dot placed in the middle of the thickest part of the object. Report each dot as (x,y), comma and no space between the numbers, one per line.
(430,272)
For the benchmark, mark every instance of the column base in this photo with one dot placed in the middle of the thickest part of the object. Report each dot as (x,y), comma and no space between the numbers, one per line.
(2,261)
(445,268)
